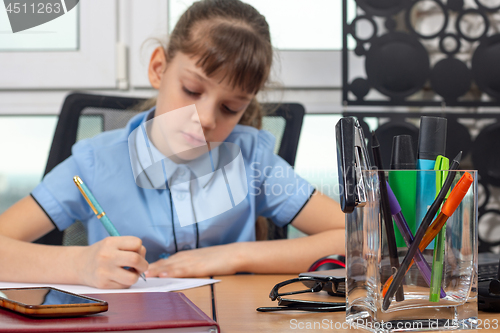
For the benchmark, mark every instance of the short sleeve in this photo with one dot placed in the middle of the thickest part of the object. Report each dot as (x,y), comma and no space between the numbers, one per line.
(58,195)
(281,193)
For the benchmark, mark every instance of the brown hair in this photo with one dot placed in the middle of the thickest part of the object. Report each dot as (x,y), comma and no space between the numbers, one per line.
(232,38)
(228,37)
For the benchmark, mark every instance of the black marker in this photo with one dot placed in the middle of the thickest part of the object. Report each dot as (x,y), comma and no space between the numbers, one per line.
(386,213)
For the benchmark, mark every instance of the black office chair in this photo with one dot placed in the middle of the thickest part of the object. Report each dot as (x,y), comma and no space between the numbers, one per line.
(85,115)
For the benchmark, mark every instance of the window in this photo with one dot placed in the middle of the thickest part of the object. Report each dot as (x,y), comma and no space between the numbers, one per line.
(73,51)
(24,150)
(316,159)
(59,34)
(307,34)
(295,24)
(317,155)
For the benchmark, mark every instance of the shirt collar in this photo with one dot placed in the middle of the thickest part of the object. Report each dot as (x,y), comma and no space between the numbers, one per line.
(150,160)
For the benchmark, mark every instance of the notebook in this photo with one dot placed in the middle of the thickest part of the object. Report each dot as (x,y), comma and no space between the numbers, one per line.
(131,312)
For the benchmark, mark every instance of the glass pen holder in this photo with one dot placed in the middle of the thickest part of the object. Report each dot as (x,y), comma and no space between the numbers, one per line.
(368,262)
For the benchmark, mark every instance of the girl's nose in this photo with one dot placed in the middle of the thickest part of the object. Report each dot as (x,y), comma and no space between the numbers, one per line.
(207,113)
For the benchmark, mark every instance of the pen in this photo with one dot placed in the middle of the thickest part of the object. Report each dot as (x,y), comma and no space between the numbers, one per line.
(454,200)
(421,232)
(449,207)
(97,209)
(403,227)
(442,163)
(387,217)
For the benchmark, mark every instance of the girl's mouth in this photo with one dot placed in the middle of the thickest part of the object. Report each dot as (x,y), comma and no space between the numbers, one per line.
(194,139)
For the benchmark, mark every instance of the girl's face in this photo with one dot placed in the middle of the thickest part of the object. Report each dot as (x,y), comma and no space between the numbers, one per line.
(181,83)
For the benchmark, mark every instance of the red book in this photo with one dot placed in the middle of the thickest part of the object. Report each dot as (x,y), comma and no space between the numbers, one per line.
(130,312)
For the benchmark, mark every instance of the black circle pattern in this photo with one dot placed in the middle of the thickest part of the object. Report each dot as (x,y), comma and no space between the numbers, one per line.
(486,8)
(382,7)
(451,78)
(409,25)
(352,29)
(455,5)
(394,54)
(360,87)
(442,46)
(397,65)
(472,11)
(485,67)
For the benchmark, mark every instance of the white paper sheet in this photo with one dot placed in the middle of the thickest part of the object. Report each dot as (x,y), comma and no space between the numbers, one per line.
(151,285)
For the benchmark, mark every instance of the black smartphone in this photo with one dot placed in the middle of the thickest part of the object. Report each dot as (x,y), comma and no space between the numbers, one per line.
(49,302)
(346,162)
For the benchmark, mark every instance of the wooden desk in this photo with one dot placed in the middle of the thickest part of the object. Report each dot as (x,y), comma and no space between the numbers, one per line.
(238,296)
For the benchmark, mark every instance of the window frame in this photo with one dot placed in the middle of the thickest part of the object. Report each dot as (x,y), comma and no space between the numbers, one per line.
(96,56)
(296,69)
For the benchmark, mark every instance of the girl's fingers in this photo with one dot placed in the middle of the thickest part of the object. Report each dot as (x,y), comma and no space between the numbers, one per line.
(131,259)
(142,251)
(114,278)
(122,277)
(177,272)
(128,243)
(156,268)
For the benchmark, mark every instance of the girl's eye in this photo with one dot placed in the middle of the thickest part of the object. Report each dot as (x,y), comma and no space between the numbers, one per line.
(189,92)
(228,110)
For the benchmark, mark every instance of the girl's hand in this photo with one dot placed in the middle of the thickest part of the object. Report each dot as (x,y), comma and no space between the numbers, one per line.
(207,261)
(102,264)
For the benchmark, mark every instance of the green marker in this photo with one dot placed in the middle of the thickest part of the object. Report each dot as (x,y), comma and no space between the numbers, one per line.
(404,183)
(442,163)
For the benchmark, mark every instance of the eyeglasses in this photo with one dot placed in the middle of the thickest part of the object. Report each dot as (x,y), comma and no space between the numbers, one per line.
(314,285)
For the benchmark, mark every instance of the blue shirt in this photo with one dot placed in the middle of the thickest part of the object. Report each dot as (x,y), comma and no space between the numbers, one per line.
(105,164)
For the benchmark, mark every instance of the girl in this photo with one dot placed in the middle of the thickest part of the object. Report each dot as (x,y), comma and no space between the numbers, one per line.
(218,57)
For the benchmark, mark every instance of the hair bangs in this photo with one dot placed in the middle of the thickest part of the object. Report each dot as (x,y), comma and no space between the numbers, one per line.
(233,50)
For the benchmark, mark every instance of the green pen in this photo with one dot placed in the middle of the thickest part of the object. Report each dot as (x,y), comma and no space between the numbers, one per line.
(404,183)
(98,211)
(442,164)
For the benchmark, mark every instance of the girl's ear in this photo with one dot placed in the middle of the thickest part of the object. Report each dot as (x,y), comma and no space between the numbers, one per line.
(157,67)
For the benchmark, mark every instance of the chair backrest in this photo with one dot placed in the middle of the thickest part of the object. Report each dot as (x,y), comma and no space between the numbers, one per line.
(85,115)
